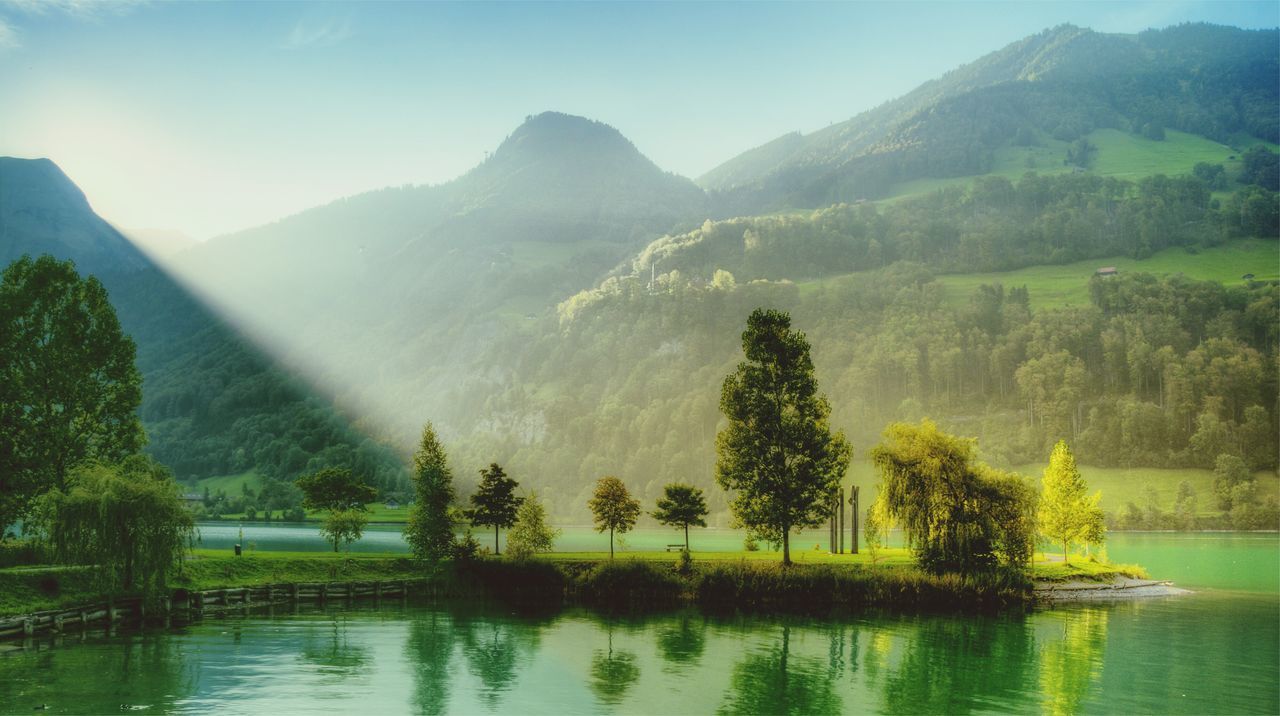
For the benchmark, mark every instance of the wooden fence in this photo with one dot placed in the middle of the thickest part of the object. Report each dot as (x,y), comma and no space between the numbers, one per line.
(185,605)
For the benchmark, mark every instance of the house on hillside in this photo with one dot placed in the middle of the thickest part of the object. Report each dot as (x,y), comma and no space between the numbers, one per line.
(392,503)
(193,500)
(1247,277)
(1106,271)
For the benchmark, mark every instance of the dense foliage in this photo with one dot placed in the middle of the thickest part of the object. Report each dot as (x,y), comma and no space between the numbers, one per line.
(69,390)
(494,503)
(959,515)
(777,454)
(126,518)
(530,534)
(429,531)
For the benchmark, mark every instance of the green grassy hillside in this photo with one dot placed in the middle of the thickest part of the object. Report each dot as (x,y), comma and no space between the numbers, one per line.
(230,484)
(1068,284)
(1122,155)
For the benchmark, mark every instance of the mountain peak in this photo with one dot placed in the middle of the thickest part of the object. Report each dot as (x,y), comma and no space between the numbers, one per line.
(552,134)
(43,212)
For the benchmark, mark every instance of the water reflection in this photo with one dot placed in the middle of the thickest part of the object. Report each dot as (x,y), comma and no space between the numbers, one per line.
(681,641)
(1072,642)
(776,682)
(612,672)
(1188,656)
(429,649)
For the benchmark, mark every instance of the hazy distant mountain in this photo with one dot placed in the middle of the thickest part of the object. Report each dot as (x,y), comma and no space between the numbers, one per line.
(1062,83)
(159,243)
(42,211)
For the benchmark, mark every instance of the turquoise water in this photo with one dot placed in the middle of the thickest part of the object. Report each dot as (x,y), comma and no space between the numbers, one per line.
(1191,655)
(1213,652)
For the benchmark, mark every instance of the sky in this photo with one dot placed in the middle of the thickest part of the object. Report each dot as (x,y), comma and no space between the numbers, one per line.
(204,118)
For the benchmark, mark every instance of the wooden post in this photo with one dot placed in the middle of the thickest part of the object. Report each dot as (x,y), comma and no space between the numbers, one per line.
(853,533)
(840,499)
(28,627)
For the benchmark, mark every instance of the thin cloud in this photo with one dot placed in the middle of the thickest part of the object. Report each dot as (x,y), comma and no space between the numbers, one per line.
(310,34)
(9,39)
(78,9)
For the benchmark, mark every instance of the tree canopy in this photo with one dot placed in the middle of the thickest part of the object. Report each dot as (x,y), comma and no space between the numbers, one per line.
(429,530)
(494,503)
(959,515)
(69,391)
(613,507)
(681,505)
(778,453)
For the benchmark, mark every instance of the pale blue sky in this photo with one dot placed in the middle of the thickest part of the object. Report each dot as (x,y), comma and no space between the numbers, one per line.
(208,117)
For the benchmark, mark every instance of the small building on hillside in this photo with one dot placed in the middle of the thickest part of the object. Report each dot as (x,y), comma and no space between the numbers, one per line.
(392,503)
(1106,271)
(193,500)
(1247,277)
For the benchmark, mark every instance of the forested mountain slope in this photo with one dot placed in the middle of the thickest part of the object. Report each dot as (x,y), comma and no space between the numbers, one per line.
(1217,82)
(212,402)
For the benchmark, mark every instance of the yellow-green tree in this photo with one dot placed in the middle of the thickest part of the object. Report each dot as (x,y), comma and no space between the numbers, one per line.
(1067,512)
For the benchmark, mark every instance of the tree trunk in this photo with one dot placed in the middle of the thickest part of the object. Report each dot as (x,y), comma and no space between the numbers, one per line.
(1064,552)
(686,538)
(495,539)
(335,543)
(786,545)
(610,543)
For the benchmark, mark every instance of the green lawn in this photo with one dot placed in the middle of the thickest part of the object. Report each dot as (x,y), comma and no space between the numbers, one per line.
(1068,284)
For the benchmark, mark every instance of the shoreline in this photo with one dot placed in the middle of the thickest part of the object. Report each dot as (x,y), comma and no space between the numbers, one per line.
(1119,589)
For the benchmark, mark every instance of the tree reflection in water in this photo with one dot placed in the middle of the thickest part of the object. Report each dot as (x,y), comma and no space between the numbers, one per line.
(429,649)
(1071,657)
(773,682)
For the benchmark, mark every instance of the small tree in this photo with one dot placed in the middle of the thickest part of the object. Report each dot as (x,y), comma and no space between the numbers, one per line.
(778,452)
(680,506)
(495,503)
(343,495)
(430,528)
(613,508)
(1067,513)
(345,526)
(530,534)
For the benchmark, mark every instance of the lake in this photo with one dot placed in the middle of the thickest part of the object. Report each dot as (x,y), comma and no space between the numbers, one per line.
(1215,651)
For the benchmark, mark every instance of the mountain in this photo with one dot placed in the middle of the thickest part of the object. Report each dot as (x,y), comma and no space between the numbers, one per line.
(432,274)
(213,403)
(42,211)
(1062,84)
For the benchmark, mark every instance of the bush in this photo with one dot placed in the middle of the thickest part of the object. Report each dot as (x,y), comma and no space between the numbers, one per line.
(21,553)
(627,583)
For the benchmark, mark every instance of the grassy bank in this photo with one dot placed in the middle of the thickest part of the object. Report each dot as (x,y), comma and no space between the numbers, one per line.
(741,580)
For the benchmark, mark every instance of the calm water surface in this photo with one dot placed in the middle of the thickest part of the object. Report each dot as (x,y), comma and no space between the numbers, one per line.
(1217,651)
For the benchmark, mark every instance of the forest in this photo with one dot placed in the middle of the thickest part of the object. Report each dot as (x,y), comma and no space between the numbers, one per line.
(1152,371)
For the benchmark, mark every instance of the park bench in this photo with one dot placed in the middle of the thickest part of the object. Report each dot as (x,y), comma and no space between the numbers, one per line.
(675,547)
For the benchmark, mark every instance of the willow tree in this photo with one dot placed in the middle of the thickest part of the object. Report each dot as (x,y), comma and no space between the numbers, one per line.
(429,530)
(778,453)
(958,514)
(127,518)
(69,390)
(1067,513)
